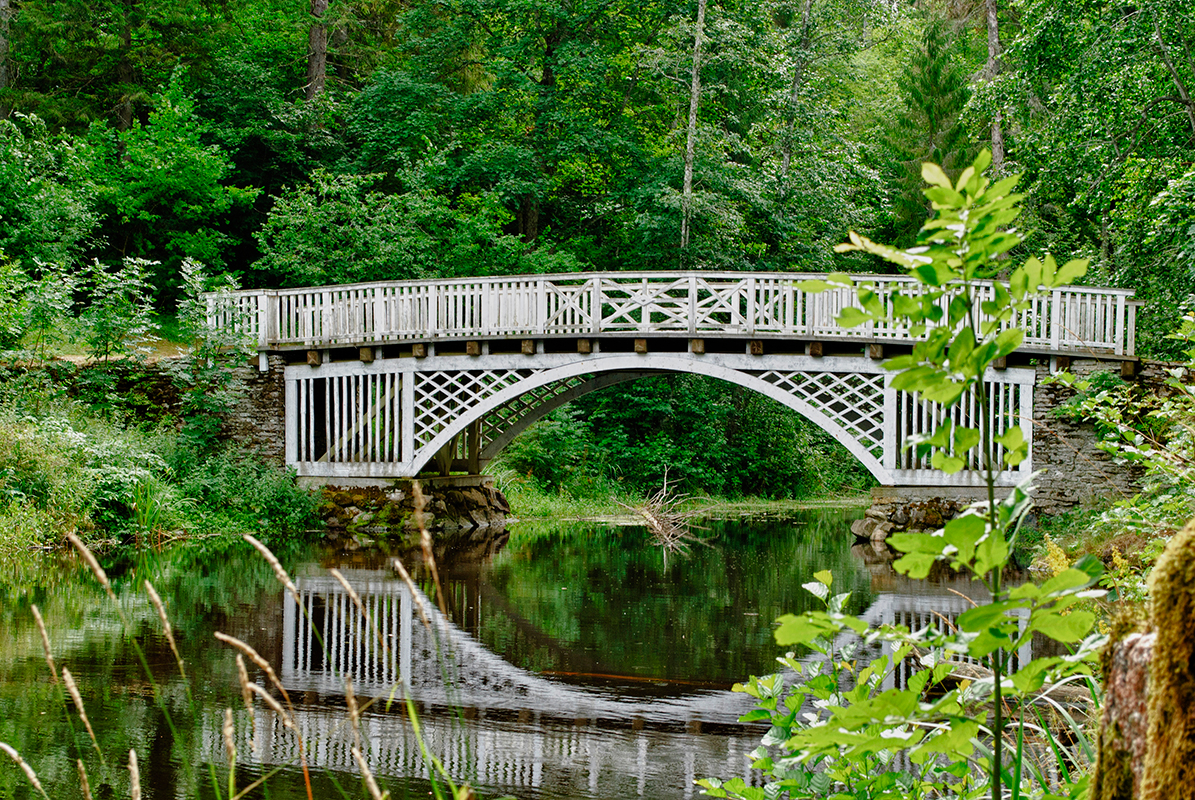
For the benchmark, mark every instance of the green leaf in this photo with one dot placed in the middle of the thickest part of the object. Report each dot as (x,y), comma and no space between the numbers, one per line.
(987,616)
(935,274)
(805,629)
(819,590)
(915,565)
(963,533)
(1011,439)
(1069,627)
(947,463)
(851,317)
(824,577)
(991,553)
(965,438)
(1071,271)
(932,173)
(1008,341)
(917,542)
(756,715)
(1032,676)
(1066,581)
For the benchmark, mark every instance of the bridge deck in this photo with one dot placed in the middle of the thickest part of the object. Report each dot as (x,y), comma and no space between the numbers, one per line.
(1097,321)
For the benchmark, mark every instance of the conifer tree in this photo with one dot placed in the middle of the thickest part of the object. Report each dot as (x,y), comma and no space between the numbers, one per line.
(927,127)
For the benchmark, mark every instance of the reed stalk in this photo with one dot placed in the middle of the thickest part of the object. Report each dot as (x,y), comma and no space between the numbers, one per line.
(276,565)
(372,785)
(45,643)
(84,784)
(406,576)
(30,775)
(73,690)
(257,659)
(134,776)
(169,631)
(230,750)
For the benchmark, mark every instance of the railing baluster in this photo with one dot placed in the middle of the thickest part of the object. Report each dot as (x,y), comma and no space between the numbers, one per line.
(750,304)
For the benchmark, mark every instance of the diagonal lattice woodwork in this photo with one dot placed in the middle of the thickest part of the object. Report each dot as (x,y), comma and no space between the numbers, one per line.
(853,400)
(644,305)
(443,396)
(718,303)
(508,414)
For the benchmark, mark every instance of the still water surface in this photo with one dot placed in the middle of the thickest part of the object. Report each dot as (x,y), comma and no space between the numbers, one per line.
(577,662)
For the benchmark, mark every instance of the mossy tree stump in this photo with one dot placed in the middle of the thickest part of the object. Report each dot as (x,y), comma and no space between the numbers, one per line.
(1170,751)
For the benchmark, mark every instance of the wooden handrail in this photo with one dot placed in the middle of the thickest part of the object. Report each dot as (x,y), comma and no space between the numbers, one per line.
(694,303)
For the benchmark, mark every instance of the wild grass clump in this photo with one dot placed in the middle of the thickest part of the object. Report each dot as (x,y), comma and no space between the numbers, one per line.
(65,468)
(241,491)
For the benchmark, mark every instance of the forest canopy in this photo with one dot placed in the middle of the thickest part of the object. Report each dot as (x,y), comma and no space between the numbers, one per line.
(292,143)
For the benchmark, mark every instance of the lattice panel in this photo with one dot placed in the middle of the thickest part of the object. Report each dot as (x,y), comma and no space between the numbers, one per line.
(502,418)
(568,308)
(441,397)
(718,304)
(349,418)
(645,305)
(854,401)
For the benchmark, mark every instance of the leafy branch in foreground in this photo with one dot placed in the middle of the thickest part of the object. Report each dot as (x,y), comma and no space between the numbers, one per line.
(967,321)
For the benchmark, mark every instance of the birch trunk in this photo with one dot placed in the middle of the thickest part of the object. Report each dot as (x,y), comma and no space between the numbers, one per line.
(691,139)
(992,68)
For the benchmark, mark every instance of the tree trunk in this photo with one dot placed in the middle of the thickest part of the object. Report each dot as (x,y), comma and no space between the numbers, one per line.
(5,16)
(125,74)
(691,139)
(992,68)
(317,50)
(528,219)
(798,82)
(1179,84)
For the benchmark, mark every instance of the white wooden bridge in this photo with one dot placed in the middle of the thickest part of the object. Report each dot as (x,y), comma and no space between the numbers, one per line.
(384,380)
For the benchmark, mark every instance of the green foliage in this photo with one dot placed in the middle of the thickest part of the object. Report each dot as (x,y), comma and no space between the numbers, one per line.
(928,127)
(205,375)
(12,299)
(63,468)
(861,728)
(1152,430)
(707,436)
(1100,131)
(118,315)
(339,229)
(47,195)
(163,189)
(236,491)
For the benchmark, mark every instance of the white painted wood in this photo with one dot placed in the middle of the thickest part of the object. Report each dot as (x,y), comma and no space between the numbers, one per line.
(1077,318)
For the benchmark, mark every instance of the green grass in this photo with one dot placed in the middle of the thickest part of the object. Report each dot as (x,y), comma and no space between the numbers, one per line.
(529,502)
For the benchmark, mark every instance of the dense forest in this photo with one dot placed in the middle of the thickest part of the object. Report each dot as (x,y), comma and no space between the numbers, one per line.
(293,143)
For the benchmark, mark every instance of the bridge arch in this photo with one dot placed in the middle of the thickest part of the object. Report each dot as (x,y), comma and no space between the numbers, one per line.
(602,372)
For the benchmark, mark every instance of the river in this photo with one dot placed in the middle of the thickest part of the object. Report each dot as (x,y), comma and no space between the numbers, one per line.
(578,662)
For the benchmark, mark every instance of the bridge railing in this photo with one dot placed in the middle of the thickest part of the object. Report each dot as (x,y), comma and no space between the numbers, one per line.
(1073,318)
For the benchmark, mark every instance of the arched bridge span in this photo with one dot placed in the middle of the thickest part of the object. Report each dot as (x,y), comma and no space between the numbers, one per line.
(385,380)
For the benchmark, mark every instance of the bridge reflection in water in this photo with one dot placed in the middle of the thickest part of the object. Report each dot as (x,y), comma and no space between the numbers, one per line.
(502,728)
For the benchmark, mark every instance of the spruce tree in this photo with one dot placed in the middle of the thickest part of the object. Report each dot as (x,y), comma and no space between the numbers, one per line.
(927,126)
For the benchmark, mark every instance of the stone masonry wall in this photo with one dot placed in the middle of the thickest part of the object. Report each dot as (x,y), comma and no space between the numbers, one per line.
(257,420)
(1076,472)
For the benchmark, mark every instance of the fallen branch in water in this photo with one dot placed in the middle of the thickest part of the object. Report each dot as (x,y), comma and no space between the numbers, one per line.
(670,526)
